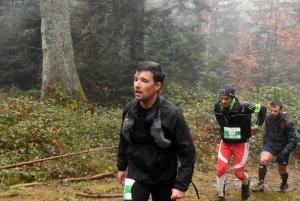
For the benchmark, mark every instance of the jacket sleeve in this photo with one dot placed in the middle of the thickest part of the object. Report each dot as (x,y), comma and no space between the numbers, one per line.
(186,152)
(261,115)
(291,135)
(122,162)
(258,109)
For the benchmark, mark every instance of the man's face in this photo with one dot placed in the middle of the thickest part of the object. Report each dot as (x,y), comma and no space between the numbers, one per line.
(275,111)
(144,88)
(226,101)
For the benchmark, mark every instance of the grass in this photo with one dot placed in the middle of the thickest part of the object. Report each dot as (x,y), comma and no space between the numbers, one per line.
(205,183)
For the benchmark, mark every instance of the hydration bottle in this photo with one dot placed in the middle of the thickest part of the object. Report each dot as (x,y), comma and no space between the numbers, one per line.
(127,189)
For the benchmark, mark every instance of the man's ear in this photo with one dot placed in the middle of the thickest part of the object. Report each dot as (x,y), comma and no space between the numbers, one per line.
(158,85)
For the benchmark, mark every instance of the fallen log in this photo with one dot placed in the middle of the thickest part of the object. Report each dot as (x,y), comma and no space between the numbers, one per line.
(54,157)
(100,195)
(27,184)
(98,176)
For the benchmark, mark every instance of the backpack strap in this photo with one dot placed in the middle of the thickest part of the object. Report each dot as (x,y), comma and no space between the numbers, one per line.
(283,122)
(155,129)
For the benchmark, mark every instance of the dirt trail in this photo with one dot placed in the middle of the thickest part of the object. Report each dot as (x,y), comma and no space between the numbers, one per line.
(205,183)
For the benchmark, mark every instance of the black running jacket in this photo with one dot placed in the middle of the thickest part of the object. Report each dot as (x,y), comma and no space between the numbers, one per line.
(144,160)
(239,116)
(280,133)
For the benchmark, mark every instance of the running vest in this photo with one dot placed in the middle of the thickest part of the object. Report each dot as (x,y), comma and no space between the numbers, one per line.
(155,129)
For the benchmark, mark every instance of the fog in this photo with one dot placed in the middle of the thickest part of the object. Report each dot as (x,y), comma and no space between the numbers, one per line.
(202,42)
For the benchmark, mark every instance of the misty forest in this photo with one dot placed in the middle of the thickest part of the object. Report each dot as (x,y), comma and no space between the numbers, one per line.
(66,73)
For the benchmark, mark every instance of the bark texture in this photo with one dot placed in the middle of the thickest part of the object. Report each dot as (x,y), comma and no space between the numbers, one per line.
(58,56)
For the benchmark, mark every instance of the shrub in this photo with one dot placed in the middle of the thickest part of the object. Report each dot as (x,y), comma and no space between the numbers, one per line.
(33,129)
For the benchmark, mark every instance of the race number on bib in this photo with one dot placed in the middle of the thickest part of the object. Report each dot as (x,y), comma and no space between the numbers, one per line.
(232,133)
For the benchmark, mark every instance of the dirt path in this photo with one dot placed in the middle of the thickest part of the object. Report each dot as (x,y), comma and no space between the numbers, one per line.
(205,183)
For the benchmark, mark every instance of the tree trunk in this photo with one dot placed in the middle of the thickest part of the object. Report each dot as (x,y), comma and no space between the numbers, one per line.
(59,70)
(137,30)
(206,25)
(135,35)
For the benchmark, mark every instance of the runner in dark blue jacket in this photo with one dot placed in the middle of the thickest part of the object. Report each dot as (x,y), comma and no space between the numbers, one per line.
(279,140)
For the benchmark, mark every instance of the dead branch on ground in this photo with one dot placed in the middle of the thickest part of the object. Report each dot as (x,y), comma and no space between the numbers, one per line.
(100,195)
(27,184)
(98,176)
(53,157)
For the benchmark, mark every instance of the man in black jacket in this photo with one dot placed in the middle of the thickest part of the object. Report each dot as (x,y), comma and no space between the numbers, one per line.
(234,118)
(279,140)
(154,135)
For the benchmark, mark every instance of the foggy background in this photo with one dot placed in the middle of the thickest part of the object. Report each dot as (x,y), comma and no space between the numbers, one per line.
(205,43)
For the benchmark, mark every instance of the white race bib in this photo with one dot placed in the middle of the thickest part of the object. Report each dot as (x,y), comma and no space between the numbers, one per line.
(232,133)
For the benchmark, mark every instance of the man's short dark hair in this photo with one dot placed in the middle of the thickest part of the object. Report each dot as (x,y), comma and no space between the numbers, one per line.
(154,68)
(276,103)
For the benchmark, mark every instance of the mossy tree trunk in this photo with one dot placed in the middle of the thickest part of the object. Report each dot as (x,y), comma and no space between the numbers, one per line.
(59,70)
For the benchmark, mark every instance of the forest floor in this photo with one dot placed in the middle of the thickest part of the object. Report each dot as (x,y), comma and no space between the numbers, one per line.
(205,183)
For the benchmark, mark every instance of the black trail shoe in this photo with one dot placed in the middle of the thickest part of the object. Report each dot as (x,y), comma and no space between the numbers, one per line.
(258,188)
(245,191)
(283,187)
(220,198)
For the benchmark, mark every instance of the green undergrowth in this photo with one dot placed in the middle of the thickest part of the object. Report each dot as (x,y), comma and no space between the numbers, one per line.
(32,129)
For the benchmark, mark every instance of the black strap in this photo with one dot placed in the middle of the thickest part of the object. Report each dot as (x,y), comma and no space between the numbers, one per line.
(196,190)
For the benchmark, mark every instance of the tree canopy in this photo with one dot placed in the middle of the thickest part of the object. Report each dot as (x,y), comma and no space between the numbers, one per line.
(199,42)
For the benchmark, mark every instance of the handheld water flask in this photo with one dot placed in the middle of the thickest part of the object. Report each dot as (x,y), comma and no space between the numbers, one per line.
(127,189)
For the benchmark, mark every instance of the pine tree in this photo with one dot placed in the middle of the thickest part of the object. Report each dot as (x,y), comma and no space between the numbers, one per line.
(225,25)
(20,45)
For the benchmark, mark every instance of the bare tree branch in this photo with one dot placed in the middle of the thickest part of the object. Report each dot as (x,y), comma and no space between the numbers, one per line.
(54,157)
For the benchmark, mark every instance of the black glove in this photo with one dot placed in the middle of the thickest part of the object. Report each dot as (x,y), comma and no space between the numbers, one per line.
(283,153)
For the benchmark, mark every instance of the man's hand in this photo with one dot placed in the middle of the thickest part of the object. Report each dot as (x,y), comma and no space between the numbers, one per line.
(177,194)
(283,153)
(122,175)
(253,130)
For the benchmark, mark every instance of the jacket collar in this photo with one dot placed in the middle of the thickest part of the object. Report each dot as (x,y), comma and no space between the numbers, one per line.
(134,109)
(231,105)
